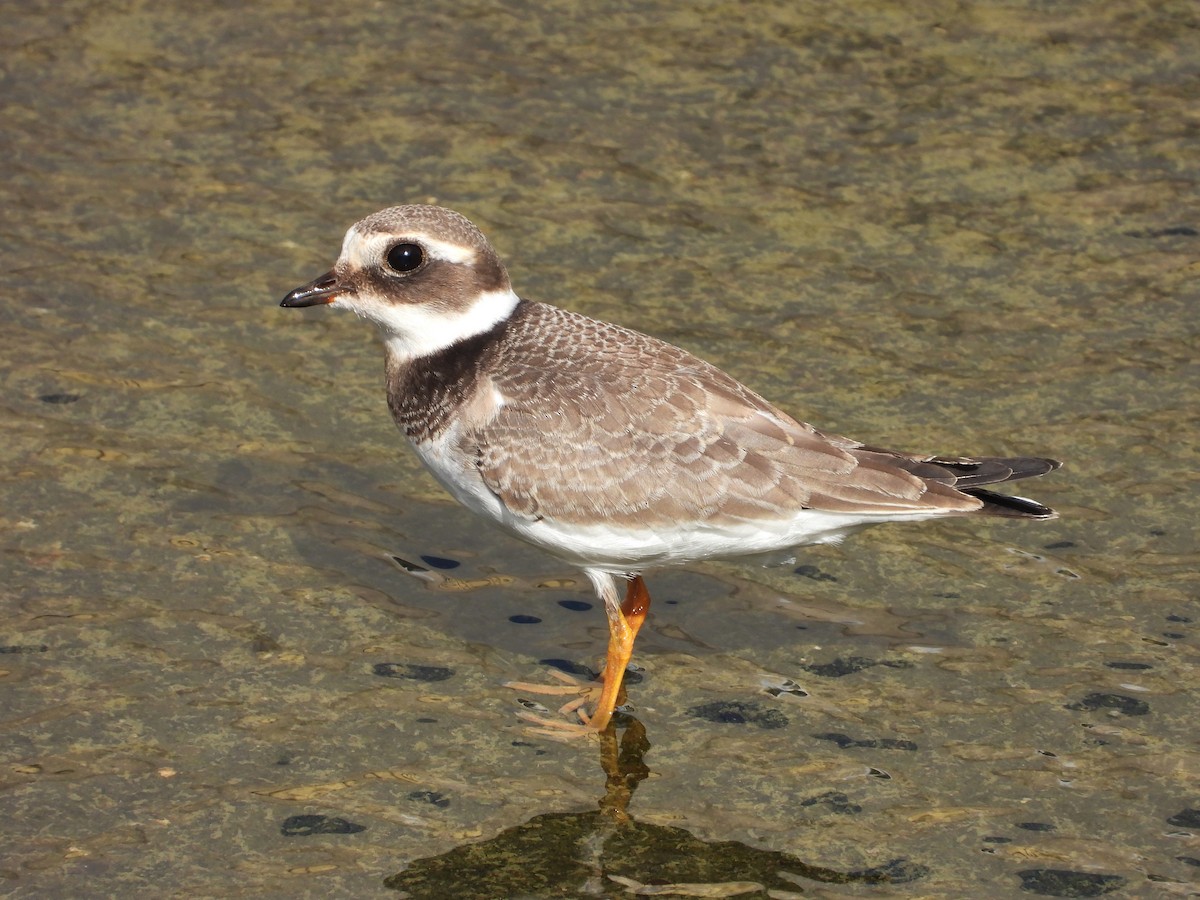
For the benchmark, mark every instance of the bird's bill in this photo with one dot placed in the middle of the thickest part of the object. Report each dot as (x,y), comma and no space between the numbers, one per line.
(317,292)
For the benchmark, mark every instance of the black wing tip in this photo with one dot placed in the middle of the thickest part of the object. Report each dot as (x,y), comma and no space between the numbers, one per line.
(1008,505)
(995,469)
(1013,507)
(1038,465)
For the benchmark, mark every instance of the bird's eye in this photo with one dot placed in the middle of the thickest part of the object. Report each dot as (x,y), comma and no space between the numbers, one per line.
(405,257)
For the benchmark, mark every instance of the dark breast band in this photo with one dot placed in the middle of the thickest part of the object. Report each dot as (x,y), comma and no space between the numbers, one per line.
(424,395)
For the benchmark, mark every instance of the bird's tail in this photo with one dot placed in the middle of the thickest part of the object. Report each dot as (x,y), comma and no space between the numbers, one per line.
(969,474)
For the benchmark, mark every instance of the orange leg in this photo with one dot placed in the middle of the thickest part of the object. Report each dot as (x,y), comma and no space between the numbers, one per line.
(624,622)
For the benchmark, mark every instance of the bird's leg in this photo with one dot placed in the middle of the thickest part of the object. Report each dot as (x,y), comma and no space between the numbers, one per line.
(624,621)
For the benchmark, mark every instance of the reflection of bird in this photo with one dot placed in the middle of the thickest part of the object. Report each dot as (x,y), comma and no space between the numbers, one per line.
(610,449)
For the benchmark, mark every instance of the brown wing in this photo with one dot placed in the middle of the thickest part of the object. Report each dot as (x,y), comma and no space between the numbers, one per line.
(601,423)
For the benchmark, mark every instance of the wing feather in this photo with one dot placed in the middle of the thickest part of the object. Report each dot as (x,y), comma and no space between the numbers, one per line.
(600,423)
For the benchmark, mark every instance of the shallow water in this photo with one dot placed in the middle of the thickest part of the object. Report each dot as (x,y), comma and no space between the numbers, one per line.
(963,230)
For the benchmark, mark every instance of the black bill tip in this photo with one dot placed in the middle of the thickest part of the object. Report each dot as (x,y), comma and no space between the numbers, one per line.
(322,290)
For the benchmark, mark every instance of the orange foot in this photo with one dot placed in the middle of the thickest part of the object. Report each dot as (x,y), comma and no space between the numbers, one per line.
(576,722)
(624,622)
(581,693)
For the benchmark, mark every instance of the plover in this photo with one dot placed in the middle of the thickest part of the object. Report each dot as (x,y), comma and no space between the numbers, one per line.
(611,449)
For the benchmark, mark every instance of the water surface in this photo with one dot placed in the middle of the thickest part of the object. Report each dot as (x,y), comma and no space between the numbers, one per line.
(954,229)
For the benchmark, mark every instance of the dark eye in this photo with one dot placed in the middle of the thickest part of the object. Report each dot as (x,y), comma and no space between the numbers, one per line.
(405,257)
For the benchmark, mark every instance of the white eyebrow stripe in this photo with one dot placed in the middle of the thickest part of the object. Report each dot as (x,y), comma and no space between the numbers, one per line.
(359,249)
(448,252)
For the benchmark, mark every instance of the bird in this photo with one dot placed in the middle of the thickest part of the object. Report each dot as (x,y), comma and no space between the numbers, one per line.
(614,451)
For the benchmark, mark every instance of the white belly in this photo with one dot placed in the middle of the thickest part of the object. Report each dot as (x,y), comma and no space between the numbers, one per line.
(621,548)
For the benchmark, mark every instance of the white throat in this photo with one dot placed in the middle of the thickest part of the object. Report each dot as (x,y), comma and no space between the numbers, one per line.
(411,332)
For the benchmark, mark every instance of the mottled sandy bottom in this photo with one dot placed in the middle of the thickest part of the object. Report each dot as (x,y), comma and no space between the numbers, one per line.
(961,229)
